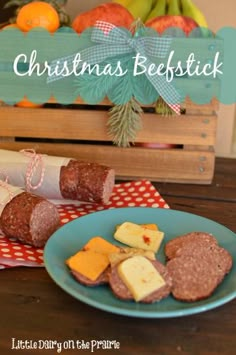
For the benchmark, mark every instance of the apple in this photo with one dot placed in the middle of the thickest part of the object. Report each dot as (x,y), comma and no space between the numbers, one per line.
(162,23)
(114,13)
(156,145)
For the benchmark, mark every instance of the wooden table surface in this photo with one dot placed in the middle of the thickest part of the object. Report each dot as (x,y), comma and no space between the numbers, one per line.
(33,307)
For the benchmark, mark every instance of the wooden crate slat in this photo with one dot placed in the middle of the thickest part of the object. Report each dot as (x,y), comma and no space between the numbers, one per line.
(195,109)
(91,125)
(171,165)
(189,105)
(184,129)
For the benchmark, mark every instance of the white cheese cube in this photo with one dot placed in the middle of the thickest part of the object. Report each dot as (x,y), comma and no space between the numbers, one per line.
(136,236)
(140,277)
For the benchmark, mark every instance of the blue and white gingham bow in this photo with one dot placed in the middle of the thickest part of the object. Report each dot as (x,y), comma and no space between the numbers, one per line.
(120,42)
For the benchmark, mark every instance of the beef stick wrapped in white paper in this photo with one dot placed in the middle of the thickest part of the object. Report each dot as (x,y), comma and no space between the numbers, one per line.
(27,217)
(57,177)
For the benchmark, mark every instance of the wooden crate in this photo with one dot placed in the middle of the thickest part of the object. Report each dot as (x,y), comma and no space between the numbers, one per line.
(81,132)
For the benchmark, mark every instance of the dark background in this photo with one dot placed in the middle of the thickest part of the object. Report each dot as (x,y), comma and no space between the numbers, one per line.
(5,14)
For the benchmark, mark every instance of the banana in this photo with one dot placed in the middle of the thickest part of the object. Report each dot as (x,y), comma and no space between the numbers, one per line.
(191,10)
(124,3)
(158,10)
(140,9)
(174,8)
(154,3)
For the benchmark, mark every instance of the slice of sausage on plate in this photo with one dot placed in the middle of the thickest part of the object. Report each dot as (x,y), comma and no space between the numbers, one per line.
(213,253)
(173,245)
(102,279)
(197,270)
(121,291)
(193,278)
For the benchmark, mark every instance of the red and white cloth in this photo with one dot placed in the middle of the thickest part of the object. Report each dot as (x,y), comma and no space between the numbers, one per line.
(132,194)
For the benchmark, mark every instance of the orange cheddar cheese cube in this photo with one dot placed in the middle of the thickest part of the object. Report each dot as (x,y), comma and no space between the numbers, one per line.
(89,263)
(100,245)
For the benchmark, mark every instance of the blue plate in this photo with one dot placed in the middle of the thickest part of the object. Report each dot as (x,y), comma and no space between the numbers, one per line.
(72,236)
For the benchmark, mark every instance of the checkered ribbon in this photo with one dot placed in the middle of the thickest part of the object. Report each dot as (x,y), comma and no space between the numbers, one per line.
(112,41)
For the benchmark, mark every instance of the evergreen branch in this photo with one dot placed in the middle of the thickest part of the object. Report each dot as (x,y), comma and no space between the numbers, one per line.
(124,123)
(162,108)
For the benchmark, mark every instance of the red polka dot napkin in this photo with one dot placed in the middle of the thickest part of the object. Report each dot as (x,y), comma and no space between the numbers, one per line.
(131,194)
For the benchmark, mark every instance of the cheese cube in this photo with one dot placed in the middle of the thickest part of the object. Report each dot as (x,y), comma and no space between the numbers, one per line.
(88,263)
(136,236)
(100,245)
(126,252)
(140,277)
(152,226)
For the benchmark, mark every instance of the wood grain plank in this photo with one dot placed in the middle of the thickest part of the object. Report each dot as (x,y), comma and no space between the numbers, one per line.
(92,125)
(223,212)
(172,165)
(222,188)
(189,105)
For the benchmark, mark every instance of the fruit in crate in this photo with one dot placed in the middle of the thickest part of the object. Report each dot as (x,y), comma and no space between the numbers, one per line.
(174,8)
(140,9)
(124,3)
(38,14)
(159,9)
(112,12)
(26,103)
(162,23)
(147,10)
(191,10)
(58,5)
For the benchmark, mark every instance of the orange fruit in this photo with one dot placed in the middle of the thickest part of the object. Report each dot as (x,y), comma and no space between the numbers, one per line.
(26,103)
(38,14)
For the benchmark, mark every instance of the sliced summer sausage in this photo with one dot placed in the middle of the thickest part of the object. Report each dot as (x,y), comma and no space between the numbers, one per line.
(102,279)
(85,181)
(197,269)
(121,291)
(173,245)
(29,218)
(193,279)
(213,253)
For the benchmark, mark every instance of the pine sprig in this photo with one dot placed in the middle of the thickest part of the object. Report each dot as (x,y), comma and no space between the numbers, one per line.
(124,123)
(162,108)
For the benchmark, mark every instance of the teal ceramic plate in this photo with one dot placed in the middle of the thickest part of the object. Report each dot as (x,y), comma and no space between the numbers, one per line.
(72,236)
